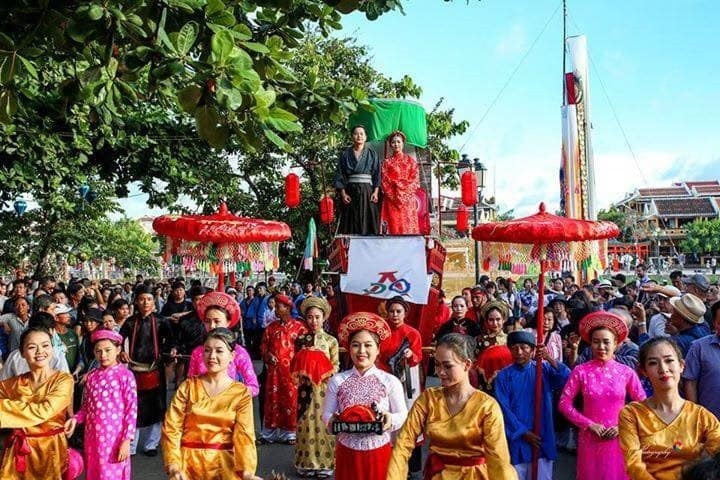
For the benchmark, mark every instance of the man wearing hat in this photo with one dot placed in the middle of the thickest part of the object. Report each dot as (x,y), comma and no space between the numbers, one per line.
(66,334)
(699,285)
(607,293)
(515,392)
(686,321)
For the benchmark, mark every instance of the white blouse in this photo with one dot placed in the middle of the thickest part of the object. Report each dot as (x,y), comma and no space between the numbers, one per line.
(349,388)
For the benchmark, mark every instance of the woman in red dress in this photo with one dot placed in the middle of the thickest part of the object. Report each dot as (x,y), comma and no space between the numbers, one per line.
(400,181)
(278,349)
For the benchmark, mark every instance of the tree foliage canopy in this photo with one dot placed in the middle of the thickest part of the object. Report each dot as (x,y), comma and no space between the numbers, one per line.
(703,236)
(213,99)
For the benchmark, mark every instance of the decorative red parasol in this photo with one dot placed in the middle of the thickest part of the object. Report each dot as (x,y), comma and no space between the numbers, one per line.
(222,238)
(551,239)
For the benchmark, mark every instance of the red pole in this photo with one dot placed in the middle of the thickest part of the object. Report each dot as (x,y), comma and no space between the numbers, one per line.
(231,280)
(221,282)
(539,367)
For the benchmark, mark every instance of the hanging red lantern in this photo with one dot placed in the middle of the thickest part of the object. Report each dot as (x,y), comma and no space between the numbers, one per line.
(292,190)
(327,210)
(468,188)
(462,220)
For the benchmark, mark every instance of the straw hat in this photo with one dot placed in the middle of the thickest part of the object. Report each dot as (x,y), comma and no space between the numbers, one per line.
(690,307)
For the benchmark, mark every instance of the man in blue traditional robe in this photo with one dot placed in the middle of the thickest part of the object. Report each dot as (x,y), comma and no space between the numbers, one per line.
(515,392)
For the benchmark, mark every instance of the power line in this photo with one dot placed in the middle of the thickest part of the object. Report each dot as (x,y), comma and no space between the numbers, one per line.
(507,82)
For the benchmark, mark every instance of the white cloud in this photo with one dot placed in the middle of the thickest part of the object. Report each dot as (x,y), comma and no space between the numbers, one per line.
(513,43)
(525,179)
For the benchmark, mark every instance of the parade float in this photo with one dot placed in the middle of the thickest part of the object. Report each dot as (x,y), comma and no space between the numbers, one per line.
(373,269)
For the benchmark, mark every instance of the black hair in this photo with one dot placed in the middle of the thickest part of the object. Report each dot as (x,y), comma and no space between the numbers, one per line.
(533,320)
(456,297)
(74,287)
(30,330)
(397,299)
(42,320)
(602,327)
(645,349)
(675,274)
(358,125)
(223,334)
(705,469)
(196,291)
(714,309)
(623,301)
(461,345)
(117,304)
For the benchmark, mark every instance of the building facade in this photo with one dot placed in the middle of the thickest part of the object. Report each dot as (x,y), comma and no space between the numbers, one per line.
(660,215)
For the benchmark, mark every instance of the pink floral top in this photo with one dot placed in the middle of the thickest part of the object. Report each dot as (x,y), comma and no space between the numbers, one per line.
(349,388)
(241,368)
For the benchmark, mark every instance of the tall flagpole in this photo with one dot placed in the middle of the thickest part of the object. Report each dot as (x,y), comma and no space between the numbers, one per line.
(564,49)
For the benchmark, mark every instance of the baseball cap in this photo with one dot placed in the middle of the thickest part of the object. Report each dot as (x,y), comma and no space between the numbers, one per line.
(699,280)
(62,308)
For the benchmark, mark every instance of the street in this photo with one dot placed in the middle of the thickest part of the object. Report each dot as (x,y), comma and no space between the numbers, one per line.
(279,458)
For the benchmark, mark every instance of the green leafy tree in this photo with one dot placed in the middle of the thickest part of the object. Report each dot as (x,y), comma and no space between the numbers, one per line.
(703,236)
(619,218)
(331,69)
(111,93)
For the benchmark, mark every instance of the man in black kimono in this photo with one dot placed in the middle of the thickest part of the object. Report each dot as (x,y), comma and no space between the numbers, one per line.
(357,181)
(147,336)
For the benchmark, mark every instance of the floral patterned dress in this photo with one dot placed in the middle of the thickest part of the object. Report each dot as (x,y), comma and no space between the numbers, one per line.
(280,409)
(109,411)
(400,181)
(604,387)
(315,449)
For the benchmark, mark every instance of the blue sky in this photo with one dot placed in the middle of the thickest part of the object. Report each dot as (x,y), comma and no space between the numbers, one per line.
(657,60)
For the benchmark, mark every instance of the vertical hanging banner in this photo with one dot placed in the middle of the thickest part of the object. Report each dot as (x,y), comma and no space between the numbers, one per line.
(383,267)
(577,169)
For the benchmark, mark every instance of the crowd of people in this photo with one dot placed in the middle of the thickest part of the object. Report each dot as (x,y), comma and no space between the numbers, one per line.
(94,372)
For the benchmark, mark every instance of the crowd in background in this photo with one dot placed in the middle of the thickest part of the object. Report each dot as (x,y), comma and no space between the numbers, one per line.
(598,346)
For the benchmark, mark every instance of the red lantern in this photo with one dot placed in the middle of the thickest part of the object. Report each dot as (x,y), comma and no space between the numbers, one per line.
(327,210)
(468,188)
(292,190)
(462,220)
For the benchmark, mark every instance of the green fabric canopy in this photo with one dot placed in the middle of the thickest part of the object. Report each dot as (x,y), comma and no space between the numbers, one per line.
(391,115)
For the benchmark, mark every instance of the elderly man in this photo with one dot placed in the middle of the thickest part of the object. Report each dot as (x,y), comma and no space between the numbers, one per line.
(699,285)
(702,368)
(657,324)
(686,321)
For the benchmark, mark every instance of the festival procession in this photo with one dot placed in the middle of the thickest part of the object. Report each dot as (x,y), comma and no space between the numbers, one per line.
(239,241)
